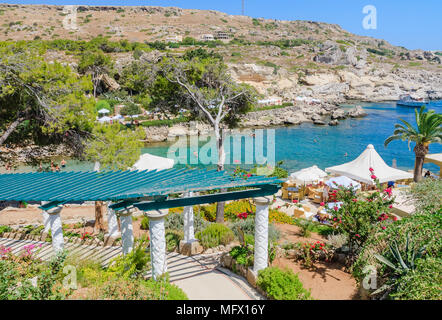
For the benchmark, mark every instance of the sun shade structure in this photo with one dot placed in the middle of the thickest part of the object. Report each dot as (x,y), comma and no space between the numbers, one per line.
(152,192)
(359,169)
(117,185)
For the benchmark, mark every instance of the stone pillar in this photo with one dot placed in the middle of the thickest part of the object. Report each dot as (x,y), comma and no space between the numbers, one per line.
(112,223)
(261,233)
(189,234)
(56,229)
(157,242)
(127,235)
(46,220)
(189,246)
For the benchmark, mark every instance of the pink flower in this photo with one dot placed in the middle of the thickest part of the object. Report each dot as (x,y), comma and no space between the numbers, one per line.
(373,177)
(336,208)
(357,235)
(355,200)
(371,170)
(391,206)
(249,175)
(322,204)
(295,201)
(383,228)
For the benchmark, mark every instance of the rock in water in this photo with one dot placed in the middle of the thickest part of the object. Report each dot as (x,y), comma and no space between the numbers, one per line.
(333,123)
(357,112)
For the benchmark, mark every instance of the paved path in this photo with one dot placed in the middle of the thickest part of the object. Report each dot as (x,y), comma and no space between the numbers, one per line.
(100,254)
(201,279)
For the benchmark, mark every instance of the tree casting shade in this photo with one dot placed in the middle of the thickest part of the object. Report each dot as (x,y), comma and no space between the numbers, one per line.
(118,185)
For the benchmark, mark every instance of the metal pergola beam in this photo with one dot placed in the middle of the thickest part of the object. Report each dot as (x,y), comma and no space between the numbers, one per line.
(265,190)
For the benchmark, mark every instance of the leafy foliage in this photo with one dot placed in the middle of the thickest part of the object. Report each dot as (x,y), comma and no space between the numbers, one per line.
(282,285)
(116,148)
(214,235)
(42,103)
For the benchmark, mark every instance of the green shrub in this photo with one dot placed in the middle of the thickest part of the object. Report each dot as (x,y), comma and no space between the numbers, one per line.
(103,104)
(174,221)
(214,235)
(123,289)
(242,255)
(427,195)
(422,283)
(173,238)
(4,229)
(248,227)
(132,264)
(144,223)
(282,285)
(424,229)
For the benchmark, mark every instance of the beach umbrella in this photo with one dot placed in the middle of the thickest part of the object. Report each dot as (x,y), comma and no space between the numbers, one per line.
(344,181)
(105,111)
(150,162)
(105,119)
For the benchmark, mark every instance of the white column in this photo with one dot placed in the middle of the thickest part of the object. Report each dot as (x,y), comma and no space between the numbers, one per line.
(46,220)
(189,233)
(112,223)
(157,242)
(127,235)
(56,229)
(261,233)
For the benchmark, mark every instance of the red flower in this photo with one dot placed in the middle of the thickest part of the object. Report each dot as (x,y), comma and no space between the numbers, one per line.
(373,177)
(355,200)
(383,228)
(391,207)
(322,204)
(357,235)
(295,201)
(394,218)
(371,170)
(336,208)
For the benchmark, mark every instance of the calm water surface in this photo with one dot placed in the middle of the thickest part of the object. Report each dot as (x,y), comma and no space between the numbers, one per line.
(306,145)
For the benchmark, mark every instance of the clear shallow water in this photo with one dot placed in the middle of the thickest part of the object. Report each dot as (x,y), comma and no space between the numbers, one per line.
(306,145)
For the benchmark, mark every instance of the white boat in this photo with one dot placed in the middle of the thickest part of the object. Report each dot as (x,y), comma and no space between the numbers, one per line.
(407,101)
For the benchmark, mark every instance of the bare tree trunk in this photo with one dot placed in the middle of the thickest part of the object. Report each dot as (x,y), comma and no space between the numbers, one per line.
(221,160)
(98,225)
(11,129)
(421,150)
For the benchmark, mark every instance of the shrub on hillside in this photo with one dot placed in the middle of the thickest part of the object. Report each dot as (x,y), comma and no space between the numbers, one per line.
(282,285)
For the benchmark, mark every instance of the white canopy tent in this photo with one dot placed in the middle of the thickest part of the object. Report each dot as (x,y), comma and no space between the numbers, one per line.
(308,175)
(359,169)
(150,162)
(342,181)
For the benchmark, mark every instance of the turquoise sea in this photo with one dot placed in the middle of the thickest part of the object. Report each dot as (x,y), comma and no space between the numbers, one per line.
(306,145)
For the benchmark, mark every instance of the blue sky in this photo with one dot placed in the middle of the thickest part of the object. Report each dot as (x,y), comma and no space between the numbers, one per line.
(409,23)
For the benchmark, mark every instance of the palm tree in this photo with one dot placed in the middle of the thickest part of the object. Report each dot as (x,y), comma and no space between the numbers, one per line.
(428,131)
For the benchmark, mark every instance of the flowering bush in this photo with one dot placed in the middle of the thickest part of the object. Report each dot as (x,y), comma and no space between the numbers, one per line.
(359,217)
(312,252)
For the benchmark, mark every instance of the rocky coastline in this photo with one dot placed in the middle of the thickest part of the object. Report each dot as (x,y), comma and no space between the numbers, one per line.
(318,114)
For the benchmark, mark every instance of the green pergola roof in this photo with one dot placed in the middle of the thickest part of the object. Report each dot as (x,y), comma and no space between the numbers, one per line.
(117,185)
